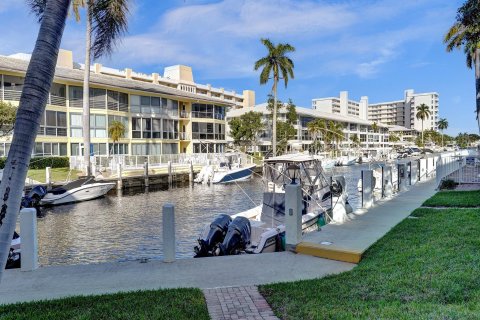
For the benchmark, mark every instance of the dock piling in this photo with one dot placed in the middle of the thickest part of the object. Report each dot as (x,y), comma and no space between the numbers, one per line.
(170,180)
(387,186)
(367,188)
(190,176)
(168,232)
(28,233)
(119,178)
(145,168)
(48,177)
(293,218)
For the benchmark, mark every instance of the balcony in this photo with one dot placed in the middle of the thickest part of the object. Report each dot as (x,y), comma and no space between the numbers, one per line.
(14,95)
(208,115)
(184,115)
(184,136)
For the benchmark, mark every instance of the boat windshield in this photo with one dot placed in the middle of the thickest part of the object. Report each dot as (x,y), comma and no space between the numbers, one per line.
(308,173)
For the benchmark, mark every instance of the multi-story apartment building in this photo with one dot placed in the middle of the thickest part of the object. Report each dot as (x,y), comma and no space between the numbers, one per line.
(395,113)
(374,141)
(162,115)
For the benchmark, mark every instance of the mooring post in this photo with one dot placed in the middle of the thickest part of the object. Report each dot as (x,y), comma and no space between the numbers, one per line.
(367,188)
(413,173)
(170,173)
(402,176)
(119,178)
(190,176)
(293,217)
(168,232)
(387,181)
(48,177)
(28,234)
(145,173)
(423,169)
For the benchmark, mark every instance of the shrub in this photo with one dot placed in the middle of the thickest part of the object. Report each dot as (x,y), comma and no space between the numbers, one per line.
(43,162)
(448,184)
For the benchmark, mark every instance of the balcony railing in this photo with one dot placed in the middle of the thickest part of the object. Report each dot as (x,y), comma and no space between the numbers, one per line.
(184,136)
(14,95)
(208,115)
(184,115)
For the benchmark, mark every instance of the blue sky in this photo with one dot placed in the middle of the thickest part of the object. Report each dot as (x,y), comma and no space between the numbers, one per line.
(376,48)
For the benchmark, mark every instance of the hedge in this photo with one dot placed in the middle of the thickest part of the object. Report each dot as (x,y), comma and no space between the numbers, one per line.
(43,162)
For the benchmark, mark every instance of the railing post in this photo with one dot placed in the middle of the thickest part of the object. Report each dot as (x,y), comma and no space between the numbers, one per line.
(48,177)
(168,233)
(28,234)
(170,178)
(119,178)
(293,216)
(145,173)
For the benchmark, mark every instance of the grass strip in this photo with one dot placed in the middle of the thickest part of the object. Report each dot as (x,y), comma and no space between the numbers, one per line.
(58,174)
(153,304)
(454,199)
(424,268)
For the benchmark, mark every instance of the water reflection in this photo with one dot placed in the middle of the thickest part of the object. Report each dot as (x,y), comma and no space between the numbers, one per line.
(128,226)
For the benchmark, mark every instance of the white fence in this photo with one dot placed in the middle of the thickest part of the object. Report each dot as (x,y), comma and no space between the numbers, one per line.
(461,167)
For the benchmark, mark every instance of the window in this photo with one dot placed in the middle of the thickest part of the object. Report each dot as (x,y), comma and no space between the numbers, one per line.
(97,98)
(118,148)
(121,119)
(75,96)
(156,128)
(146,149)
(98,126)
(50,149)
(76,125)
(53,123)
(136,128)
(146,128)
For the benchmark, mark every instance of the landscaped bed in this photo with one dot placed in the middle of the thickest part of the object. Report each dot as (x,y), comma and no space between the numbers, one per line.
(427,267)
(454,199)
(158,304)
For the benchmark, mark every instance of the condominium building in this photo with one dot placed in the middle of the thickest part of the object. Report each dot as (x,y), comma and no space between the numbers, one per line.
(395,113)
(166,114)
(375,141)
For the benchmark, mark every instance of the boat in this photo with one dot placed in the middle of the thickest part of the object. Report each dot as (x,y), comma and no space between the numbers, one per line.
(262,228)
(83,189)
(229,169)
(346,161)
(14,255)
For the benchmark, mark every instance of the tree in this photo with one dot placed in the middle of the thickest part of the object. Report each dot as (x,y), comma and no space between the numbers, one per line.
(116,130)
(354,140)
(292,115)
(335,132)
(423,112)
(279,66)
(244,129)
(374,127)
(316,128)
(392,137)
(7,118)
(465,33)
(38,80)
(442,125)
(106,21)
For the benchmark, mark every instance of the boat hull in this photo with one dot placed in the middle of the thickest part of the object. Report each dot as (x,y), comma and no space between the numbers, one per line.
(233,175)
(84,193)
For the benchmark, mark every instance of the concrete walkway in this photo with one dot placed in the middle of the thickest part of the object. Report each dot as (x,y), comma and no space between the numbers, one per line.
(215,272)
(348,241)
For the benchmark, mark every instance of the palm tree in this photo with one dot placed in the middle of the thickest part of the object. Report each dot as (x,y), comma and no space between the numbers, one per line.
(316,127)
(116,130)
(442,125)
(465,33)
(281,67)
(335,131)
(38,80)
(423,112)
(374,127)
(106,21)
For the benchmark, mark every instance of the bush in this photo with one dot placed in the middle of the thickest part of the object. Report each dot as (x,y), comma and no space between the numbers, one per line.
(448,184)
(43,162)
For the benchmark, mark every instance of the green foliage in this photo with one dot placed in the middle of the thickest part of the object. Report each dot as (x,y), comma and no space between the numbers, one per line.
(116,130)
(375,127)
(42,163)
(392,137)
(7,118)
(317,128)
(424,268)
(464,139)
(454,199)
(442,124)
(276,64)
(292,115)
(448,184)
(355,140)
(244,129)
(153,304)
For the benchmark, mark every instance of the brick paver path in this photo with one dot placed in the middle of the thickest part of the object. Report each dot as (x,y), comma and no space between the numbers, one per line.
(237,303)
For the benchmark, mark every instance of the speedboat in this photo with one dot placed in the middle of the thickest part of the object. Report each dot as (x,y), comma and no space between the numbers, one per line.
(229,169)
(85,188)
(347,161)
(262,228)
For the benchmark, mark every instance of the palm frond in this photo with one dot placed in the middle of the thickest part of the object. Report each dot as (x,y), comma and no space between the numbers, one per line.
(37,7)
(267,43)
(109,22)
(265,75)
(76,5)
(261,62)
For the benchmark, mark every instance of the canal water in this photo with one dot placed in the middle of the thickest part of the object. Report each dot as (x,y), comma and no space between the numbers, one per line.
(129,226)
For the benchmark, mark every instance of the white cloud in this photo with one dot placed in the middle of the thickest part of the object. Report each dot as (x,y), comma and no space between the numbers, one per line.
(6,5)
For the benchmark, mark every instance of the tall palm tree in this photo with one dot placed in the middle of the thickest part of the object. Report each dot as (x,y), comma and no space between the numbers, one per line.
(442,125)
(316,127)
(278,66)
(375,127)
(106,21)
(116,130)
(465,32)
(38,80)
(423,112)
(335,131)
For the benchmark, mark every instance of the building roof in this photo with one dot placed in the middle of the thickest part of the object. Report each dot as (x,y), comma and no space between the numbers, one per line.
(76,75)
(308,112)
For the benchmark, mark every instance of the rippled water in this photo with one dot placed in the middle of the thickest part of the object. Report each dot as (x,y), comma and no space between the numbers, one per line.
(129,226)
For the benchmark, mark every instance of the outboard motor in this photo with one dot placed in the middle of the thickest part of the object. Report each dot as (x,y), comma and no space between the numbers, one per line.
(338,185)
(218,229)
(32,199)
(237,238)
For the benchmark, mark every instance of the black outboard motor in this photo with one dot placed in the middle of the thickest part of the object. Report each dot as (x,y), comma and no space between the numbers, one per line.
(14,255)
(338,186)
(32,199)
(218,229)
(237,238)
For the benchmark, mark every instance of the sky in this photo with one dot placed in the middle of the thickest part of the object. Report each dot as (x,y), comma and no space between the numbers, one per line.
(374,48)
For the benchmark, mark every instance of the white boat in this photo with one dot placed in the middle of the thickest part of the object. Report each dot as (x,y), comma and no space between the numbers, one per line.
(347,161)
(229,169)
(85,188)
(262,228)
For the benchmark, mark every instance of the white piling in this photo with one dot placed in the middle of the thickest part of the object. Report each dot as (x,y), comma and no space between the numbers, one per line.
(168,233)
(387,181)
(413,173)
(145,173)
(190,176)
(293,216)
(423,169)
(119,178)
(367,188)
(28,234)
(48,177)
(170,178)
(402,176)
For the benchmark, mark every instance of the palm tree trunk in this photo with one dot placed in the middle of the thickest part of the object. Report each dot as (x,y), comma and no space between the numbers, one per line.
(33,100)
(477,84)
(423,143)
(86,93)
(274,122)
(442,140)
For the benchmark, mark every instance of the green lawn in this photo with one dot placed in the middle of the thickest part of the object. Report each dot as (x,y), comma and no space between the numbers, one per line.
(427,267)
(58,174)
(454,199)
(158,304)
